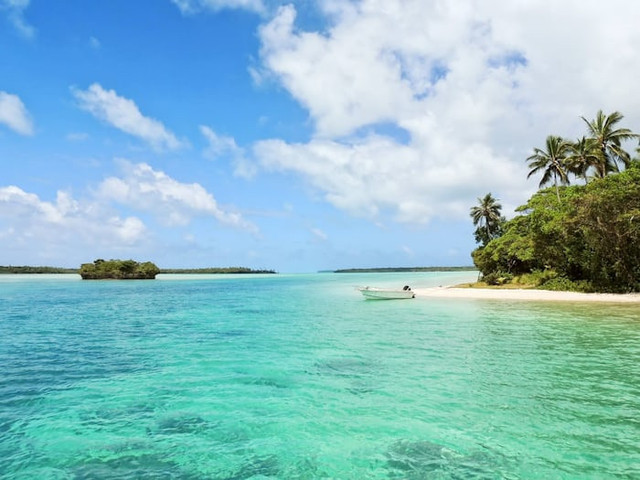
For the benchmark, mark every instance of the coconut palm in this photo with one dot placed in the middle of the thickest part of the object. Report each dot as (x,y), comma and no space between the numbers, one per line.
(608,140)
(582,155)
(486,217)
(552,162)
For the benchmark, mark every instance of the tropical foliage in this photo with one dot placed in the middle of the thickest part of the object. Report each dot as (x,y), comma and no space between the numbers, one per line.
(118,269)
(608,142)
(487,219)
(552,161)
(581,157)
(580,237)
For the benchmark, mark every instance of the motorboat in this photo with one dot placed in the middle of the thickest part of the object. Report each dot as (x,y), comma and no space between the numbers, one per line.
(374,293)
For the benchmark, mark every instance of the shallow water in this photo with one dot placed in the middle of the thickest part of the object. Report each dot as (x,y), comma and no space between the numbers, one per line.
(297,376)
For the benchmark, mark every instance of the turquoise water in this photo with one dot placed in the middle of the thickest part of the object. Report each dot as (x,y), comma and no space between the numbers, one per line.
(298,377)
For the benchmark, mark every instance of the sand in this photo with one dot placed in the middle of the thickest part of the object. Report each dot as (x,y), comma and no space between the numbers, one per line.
(514,294)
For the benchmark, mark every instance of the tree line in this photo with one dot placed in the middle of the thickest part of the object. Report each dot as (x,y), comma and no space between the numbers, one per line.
(402,269)
(14,269)
(584,236)
(26,269)
(215,270)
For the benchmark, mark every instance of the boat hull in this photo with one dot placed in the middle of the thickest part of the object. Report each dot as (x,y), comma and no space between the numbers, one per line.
(385,294)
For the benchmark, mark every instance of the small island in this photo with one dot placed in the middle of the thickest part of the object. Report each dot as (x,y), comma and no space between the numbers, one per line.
(118,270)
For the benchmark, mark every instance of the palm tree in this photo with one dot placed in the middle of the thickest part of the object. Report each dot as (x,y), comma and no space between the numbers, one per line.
(486,217)
(582,155)
(608,142)
(551,161)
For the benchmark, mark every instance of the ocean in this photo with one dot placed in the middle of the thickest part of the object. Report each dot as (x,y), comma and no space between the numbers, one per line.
(236,377)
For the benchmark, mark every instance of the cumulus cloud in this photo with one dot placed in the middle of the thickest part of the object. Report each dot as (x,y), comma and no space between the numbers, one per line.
(14,114)
(122,113)
(15,13)
(225,146)
(64,221)
(421,107)
(378,176)
(194,6)
(174,203)
(69,228)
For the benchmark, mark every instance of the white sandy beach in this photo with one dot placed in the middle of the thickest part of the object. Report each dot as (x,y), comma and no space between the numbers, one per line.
(539,295)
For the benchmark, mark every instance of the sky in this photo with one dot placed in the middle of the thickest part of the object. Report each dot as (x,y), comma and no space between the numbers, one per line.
(297,137)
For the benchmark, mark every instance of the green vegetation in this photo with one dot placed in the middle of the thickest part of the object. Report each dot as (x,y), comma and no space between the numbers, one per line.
(404,269)
(551,162)
(581,237)
(487,219)
(214,270)
(27,269)
(90,268)
(118,270)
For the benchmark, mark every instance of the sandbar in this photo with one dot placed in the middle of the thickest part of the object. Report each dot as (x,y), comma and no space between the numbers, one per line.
(525,294)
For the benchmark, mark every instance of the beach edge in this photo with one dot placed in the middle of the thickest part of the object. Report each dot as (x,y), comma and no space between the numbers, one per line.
(524,294)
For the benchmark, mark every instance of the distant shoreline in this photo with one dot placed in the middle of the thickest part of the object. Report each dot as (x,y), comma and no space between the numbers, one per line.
(525,294)
(404,269)
(234,270)
(25,269)
(10,270)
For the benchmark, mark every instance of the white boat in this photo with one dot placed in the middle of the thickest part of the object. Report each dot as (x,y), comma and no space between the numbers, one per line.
(374,293)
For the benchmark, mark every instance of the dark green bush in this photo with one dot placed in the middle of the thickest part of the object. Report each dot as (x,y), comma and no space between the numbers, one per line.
(497,278)
(118,270)
(564,284)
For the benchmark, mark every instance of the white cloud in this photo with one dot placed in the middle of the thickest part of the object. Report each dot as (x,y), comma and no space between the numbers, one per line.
(421,107)
(194,6)
(378,175)
(224,146)
(124,114)
(14,114)
(15,13)
(173,203)
(69,231)
(342,81)
(63,222)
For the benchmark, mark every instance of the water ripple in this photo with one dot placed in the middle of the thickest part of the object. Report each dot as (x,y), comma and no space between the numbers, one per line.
(297,377)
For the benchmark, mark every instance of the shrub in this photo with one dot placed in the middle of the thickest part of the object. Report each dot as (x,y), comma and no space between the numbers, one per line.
(564,284)
(535,278)
(497,278)
(118,269)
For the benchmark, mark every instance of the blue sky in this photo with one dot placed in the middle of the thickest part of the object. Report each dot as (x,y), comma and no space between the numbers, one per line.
(296,137)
